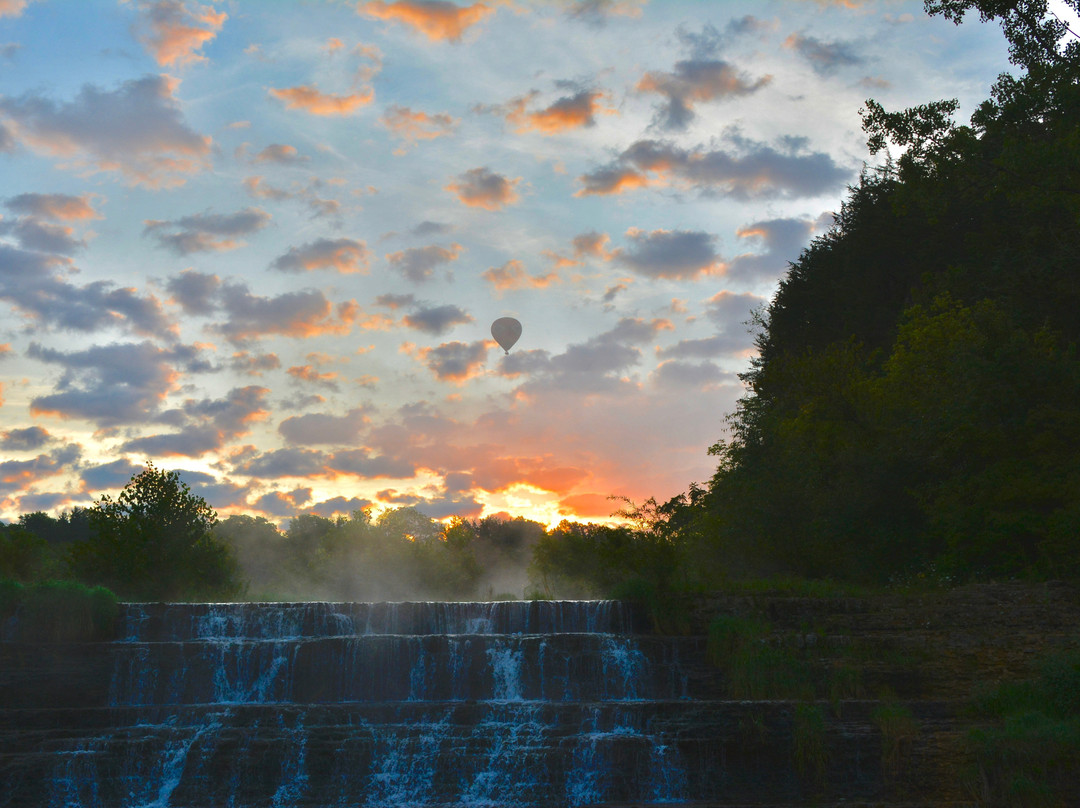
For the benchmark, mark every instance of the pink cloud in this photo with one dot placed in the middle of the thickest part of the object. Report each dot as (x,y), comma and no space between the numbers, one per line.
(436,19)
(410,126)
(173,30)
(311,100)
(512,275)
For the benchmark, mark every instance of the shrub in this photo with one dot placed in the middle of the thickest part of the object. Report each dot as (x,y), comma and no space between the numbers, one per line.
(60,611)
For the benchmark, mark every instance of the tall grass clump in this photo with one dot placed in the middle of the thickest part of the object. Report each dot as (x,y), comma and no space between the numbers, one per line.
(755,669)
(1029,754)
(811,754)
(58,611)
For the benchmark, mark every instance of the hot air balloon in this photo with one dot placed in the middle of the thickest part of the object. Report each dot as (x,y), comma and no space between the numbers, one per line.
(506,331)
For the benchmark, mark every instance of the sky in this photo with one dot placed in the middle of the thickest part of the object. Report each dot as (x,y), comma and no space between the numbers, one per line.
(262,243)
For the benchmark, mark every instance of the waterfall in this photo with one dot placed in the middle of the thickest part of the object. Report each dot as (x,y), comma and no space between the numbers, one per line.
(298,705)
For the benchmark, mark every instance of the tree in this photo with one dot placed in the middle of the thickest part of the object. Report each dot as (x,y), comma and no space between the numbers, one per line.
(155,542)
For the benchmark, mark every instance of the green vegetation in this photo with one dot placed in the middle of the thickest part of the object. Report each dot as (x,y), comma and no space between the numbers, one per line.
(1029,753)
(811,753)
(59,611)
(898,730)
(154,542)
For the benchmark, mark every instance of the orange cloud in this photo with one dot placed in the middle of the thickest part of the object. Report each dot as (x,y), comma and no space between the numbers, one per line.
(62,207)
(12,8)
(512,275)
(311,100)
(309,373)
(594,244)
(412,126)
(481,188)
(572,112)
(436,19)
(587,505)
(614,181)
(177,29)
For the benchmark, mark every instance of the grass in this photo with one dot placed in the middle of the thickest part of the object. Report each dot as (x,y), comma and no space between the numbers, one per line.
(58,611)
(1029,752)
(811,754)
(898,730)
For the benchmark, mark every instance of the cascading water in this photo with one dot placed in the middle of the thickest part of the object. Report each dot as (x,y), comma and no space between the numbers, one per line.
(408,704)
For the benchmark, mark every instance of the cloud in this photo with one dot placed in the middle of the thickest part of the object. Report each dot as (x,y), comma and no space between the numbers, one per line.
(253,364)
(115,474)
(436,19)
(696,81)
(410,127)
(730,310)
(281,154)
(361,463)
(293,462)
(693,375)
(418,264)
(59,207)
(136,130)
(782,239)
(44,237)
(751,171)
(437,320)
(344,255)
(196,292)
(13,8)
(588,506)
(277,503)
(255,188)
(18,475)
(726,344)
(597,12)
(481,188)
(454,362)
(570,112)
(24,440)
(316,428)
(675,254)
(33,282)
(311,375)
(311,100)
(305,313)
(392,301)
(211,424)
(119,383)
(206,232)
(340,506)
(173,30)
(824,57)
(512,276)
(585,367)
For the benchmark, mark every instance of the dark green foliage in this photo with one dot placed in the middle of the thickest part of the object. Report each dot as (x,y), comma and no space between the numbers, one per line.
(59,611)
(810,749)
(25,556)
(899,730)
(1030,753)
(155,542)
(915,403)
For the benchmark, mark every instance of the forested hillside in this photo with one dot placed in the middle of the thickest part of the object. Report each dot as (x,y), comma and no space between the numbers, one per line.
(916,403)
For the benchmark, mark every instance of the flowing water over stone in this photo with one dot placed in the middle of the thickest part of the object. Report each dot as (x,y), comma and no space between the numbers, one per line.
(364,704)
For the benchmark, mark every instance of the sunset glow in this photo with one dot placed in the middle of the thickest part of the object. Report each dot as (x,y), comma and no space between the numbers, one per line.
(263,243)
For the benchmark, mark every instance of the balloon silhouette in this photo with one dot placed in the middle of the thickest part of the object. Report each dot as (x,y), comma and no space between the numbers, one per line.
(506,331)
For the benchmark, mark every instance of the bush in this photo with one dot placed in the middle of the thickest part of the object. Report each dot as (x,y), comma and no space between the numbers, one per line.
(59,611)
(1030,753)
